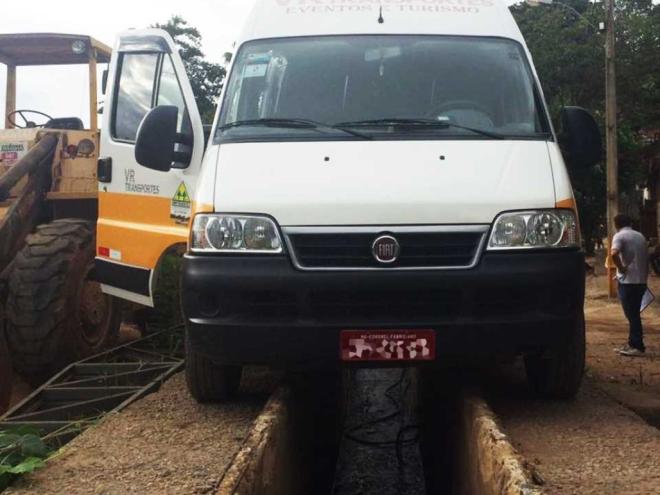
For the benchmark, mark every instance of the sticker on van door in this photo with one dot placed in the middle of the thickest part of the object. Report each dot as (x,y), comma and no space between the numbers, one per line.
(181,203)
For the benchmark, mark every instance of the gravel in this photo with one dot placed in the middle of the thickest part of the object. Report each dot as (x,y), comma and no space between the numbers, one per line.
(164,444)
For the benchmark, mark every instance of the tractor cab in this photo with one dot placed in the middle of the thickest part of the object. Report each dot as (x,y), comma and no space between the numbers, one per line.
(20,50)
(48,214)
(23,126)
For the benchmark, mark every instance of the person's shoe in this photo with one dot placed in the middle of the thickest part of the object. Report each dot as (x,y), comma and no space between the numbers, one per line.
(622,348)
(631,352)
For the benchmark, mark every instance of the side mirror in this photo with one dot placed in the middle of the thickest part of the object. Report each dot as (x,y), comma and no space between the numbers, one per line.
(104,81)
(157,138)
(580,138)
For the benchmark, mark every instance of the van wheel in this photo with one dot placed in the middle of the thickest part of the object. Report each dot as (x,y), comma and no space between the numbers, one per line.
(208,381)
(557,373)
(56,312)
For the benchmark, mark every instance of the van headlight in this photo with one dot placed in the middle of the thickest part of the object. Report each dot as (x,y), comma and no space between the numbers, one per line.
(216,233)
(534,230)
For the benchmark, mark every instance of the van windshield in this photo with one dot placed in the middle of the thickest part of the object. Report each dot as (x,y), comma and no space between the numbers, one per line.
(381,87)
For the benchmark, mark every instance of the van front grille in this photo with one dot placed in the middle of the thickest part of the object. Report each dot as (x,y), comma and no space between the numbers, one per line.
(353,250)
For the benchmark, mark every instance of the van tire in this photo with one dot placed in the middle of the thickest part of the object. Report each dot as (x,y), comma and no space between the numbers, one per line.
(56,313)
(208,381)
(557,373)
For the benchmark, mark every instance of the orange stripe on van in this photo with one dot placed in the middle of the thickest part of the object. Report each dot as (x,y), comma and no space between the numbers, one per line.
(570,204)
(138,226)
(567,203)
(202,208)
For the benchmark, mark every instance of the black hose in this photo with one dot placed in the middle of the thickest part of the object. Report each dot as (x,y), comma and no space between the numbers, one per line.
(400,440)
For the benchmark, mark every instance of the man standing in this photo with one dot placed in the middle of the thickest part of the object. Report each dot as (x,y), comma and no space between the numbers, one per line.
(630,255)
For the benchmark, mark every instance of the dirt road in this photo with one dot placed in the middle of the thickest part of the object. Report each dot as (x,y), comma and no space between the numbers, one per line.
(594,445)
(164,444)
(607,328)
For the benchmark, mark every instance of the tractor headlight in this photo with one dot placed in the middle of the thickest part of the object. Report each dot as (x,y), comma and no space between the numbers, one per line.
(535,229)
(79,47)
(216,233)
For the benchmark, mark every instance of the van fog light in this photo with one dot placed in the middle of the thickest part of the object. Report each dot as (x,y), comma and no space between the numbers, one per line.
(535,229)
(234,233)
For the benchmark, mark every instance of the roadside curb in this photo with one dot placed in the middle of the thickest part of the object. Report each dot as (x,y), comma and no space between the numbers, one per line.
(264,464)
(490,464)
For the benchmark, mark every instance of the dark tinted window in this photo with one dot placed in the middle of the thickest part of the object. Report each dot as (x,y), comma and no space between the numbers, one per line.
(483,83)
(134,94)
(169,93)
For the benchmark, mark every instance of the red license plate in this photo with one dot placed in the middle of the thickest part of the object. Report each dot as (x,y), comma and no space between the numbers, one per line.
(387,345)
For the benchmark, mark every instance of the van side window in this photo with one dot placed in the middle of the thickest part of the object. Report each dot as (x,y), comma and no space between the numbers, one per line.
(134,93)
(170,93)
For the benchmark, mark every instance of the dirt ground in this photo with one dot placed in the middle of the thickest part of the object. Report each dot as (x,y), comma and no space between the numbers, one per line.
(596,444)
(164,444)
(608,328)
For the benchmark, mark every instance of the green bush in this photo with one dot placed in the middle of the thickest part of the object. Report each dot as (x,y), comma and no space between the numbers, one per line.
(21,451)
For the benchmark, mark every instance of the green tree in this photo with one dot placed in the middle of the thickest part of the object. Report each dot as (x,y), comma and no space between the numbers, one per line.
(206,78)
(569,56)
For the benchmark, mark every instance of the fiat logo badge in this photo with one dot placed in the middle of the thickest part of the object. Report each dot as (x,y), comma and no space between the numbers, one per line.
(386,249)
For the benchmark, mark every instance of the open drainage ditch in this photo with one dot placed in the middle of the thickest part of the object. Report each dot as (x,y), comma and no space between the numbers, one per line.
(383,431)
(362,431)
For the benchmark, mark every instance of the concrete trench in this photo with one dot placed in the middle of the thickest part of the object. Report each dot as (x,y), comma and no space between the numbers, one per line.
(299,443)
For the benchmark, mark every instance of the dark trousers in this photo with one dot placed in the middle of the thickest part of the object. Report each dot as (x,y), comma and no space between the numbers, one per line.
(631,300)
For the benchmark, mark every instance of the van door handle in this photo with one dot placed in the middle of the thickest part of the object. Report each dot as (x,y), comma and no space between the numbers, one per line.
(104,169)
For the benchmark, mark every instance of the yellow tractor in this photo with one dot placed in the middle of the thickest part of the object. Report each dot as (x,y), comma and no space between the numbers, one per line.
(52,309)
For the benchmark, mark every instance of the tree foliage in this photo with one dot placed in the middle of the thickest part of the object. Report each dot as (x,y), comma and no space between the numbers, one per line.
(568,52)
(206,78)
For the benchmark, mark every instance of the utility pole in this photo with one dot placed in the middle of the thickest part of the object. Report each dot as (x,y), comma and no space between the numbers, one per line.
(611,139)
(610,123)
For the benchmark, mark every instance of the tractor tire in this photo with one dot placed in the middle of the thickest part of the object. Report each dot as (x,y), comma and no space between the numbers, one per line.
(56,312)
(557,374)
(208,381)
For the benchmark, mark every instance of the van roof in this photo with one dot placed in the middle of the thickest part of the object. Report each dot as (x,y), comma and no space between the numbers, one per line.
(291,18)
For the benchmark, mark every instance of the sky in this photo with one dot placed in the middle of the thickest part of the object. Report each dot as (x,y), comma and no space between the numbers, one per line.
(219,22)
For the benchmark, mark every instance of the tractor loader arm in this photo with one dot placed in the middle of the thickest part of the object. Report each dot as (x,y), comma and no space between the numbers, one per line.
(41,153)
(20,216)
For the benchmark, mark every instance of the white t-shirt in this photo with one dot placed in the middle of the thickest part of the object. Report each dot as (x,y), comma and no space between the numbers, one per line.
(634,254)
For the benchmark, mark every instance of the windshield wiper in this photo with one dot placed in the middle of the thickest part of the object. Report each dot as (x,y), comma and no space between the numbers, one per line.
(428,123)
(292,124)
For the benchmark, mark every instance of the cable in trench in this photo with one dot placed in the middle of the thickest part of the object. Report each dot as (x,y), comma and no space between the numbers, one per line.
(400,441)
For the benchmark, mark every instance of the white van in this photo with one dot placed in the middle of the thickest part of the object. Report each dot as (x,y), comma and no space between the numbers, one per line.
(382,185)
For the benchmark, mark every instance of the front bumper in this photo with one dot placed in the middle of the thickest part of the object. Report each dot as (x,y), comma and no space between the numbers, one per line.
(262,310)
